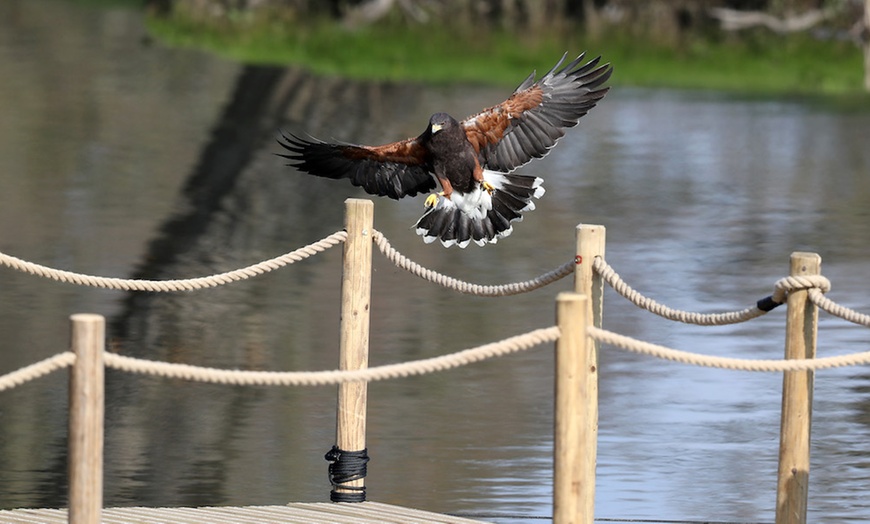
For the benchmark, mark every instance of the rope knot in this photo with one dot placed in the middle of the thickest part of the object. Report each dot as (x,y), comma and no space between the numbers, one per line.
(791,283)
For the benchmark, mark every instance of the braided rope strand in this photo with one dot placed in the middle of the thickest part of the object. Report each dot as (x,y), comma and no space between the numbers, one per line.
(176,285)
(837,310)
(609,275)
(37,369)
(738,364)
(323,378)
(467,288)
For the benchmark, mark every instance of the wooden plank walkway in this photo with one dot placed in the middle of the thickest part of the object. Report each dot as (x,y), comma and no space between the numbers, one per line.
(295,513)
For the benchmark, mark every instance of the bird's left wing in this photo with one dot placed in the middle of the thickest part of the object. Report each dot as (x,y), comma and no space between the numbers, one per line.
(528,124)
(394,170)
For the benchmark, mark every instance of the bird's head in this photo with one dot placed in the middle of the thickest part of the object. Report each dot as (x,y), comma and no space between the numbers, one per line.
(440,121)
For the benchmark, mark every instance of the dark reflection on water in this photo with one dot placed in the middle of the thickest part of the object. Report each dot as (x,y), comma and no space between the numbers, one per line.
(122,159)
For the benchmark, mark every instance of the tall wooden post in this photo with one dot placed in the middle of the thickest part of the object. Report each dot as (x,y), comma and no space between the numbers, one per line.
(576,415)
(86,410)
(590,243)
(797,398)
(350,434)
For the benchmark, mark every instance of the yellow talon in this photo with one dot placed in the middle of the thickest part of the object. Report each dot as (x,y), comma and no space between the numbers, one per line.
(489,187)
(432,199)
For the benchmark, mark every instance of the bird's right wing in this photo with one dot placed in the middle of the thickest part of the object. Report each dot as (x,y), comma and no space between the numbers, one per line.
(394,170)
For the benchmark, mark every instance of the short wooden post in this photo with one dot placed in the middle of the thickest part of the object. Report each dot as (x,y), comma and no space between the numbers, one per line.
(576,415)
(350,434)
(797,398)
(86,409)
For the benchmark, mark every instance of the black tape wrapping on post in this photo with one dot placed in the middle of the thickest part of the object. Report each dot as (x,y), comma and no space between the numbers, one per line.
(346,466)
(767,304)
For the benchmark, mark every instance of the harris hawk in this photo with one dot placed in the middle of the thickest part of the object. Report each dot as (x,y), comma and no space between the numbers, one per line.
(473,160)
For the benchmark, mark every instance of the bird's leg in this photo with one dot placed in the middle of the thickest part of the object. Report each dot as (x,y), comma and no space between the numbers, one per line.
(478,175)
(447,190)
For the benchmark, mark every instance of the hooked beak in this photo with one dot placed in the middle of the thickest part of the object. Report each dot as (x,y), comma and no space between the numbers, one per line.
(435,128)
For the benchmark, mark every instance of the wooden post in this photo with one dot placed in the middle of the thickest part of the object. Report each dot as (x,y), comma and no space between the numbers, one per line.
(86,408)
(797,398)
(590,241)
(590,244)
(350,434)
(576,415)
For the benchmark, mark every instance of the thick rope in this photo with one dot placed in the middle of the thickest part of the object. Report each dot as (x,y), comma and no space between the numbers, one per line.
(610,276)
(740,364)
(323,378)
(425,366)
(176,285)
(837,310)
(515,288)
(780,291)
(36,370)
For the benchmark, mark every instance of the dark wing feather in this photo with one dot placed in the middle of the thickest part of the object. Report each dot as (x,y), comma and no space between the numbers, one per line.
(394,170)
(528,124)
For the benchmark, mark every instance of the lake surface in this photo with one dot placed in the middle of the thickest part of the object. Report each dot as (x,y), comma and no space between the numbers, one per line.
(120,157)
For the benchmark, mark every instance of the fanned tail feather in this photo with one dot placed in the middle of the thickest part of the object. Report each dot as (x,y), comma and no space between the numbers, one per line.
(478,217)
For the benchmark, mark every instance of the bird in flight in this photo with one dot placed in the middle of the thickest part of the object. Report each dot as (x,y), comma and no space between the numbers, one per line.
(473,160)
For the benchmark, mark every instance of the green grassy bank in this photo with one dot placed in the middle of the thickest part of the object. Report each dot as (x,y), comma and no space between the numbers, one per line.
(751,63)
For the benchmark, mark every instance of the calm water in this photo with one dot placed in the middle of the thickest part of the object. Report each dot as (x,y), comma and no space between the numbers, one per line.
(119,157)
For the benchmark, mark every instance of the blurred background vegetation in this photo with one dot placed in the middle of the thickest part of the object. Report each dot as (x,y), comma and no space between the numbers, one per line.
(754,46)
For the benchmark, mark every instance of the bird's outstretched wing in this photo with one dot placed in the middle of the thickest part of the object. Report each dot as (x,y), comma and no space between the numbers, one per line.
(528,124)
(394,170)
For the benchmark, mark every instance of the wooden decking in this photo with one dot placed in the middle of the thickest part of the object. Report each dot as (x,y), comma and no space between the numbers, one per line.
(296,513)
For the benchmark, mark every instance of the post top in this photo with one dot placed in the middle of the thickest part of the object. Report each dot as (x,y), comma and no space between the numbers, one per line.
(807,255)
(87,317)
(570,296)
(805,263)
